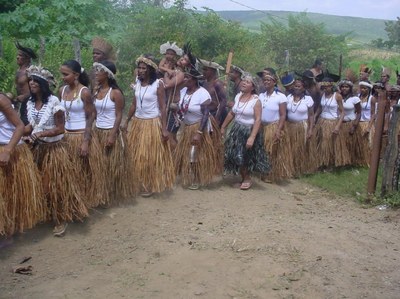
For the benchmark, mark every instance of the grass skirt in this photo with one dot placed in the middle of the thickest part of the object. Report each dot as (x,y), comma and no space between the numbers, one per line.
(60,182)
(344,145)
(22,202)
(114,168)
(303,149)
(254,159)
(89,183)
(279,152)
(365,142)
(325,142)
(153,168)
(207,155)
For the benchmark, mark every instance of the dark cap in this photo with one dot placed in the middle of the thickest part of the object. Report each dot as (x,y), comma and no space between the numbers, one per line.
(308,74)
(287,79)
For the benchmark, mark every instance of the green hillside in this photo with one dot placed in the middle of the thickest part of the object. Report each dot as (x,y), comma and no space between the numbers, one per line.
(360,29)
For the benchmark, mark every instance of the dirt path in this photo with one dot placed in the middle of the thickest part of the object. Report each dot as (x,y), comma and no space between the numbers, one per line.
(272,241)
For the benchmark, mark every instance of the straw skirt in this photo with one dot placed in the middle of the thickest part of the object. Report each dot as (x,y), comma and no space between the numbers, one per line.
(22,202)
(153,168)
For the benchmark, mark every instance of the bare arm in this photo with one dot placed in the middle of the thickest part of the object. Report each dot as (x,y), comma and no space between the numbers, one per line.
(256,126)
(339,101)
(205,112)
(221,93)
(310,121)
(118,98)
(282,119)
(90,116)
(174,81)
(163,110)
(12,116)
(227,121)
(355,122)
(59,121)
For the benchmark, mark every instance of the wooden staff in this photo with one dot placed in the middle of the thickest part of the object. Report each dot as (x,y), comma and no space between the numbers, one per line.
(340,66)
(228,67)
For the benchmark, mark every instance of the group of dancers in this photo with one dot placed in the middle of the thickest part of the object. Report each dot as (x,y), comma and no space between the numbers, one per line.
(72,149)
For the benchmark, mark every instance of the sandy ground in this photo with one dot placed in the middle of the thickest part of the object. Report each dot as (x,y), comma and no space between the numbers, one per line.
(286,241)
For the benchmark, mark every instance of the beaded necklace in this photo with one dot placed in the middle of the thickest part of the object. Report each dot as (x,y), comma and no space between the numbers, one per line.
(141,96)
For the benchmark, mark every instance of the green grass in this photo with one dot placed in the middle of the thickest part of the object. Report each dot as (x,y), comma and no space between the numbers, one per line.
(346,182)
(351,182)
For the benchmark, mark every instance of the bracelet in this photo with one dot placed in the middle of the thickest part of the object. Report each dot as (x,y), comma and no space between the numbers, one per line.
(200,132)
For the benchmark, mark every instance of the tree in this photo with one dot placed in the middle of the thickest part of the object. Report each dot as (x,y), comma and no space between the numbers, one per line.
(393,31)
(305,41)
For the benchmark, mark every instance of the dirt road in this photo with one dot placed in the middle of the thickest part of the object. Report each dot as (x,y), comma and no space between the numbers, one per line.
(287,241)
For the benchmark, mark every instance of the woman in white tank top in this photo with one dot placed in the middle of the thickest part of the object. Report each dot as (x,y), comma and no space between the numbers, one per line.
(46,124)
(111,150)
(79,117)
(244,148)
(22,202)
(149,149)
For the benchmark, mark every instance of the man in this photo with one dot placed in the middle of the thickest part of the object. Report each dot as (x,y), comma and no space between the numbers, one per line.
(287,81)
(235,76)
(102,50)
(312,88)
(385,77)
(24,59)
(317,70)
(216,89)
(365,72)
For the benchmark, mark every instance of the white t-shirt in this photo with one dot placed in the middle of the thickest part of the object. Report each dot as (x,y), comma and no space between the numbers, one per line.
(298,111)
(270,106)
(147,100)
(43,119)
(349,109)
(244,112)
(190,104)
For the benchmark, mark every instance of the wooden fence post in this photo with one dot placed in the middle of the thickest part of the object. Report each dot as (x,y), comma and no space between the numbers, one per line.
(376,145)
(390,171)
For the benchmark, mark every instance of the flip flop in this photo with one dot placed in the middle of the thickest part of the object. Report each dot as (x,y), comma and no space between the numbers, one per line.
(246,185)
(194,187)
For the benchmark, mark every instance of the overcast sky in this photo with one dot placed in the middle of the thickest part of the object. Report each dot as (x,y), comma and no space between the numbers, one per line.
(377,9)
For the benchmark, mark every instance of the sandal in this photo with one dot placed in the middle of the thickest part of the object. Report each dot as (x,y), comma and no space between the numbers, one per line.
(146,194)
(194,187)
(60,229)
(246,185)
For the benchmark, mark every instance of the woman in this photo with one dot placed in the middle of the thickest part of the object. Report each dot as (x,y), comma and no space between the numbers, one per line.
(46,128)
(350,133)
(367,120)
(173,84)
(147,139)
(300,124)
(198,156)
(244,150)
(22,203)
(330,117)
(79,116)
(276,143)
(109,147)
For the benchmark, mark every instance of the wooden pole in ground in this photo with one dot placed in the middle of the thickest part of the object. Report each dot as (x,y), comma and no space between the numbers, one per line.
(376,145)
(389,174)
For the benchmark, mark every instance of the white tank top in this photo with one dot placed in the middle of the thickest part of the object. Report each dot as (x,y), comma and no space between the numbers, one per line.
(75,118)
(329,107)
(147,100)
(366,110)
(6,130)
(244,112)
(105,112)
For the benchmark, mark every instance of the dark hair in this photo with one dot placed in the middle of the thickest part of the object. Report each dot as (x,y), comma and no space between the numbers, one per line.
(77,68)
(44,88)
(152,72)
(111,81)
(27,51)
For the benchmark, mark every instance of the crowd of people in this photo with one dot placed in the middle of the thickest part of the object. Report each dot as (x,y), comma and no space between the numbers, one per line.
(66,151)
